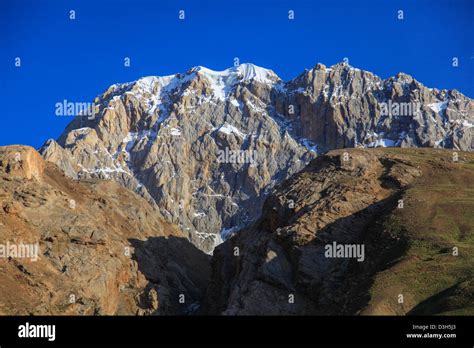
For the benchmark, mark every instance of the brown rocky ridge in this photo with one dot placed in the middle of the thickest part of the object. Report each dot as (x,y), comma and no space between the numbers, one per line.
(103,249)
(411,210)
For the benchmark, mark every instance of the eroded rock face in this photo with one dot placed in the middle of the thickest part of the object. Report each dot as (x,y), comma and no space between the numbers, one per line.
(102,249)
(22,162)
(207,146)
(342,107)
(281,265)
(283,254)
(204,145)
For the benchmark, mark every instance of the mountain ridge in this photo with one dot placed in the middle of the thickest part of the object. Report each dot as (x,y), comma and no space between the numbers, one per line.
(253,66)
(100,249)
(410,210)
(162,136)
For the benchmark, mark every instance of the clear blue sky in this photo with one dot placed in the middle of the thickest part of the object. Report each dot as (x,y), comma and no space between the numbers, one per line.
(78,59)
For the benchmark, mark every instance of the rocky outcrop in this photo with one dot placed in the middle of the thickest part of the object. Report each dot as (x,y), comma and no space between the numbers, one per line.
(22,162)
(342,107)
(203,145)
(88,247)
(208,146)
(353,233)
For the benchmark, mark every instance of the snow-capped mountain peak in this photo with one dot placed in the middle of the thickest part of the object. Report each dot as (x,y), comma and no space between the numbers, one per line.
(153,135)
(242,72)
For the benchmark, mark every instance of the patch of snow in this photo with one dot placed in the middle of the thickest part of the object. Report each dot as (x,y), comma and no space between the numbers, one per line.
(148,83)
(235,102)
(229,129)
(382,143)
(82,130)
(438,107)
(213,193)
(326,91)
(133,138)
(243,72)
(309,145)
(222,82)
(105,170)
(254,107)
(175,131)
(252,72)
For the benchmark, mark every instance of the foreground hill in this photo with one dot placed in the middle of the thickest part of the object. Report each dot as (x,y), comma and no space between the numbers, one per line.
(102,248)
(105,250)
(411,210)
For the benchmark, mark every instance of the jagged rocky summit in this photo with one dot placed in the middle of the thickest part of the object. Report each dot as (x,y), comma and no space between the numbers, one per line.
(208,146)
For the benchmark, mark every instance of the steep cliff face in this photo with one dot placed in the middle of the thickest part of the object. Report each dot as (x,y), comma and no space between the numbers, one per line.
(89,247)
(208,146)
(203,145)
(356,232)
(342,107)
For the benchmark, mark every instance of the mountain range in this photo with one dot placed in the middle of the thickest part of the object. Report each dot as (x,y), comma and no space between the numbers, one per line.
(163,136)
(219,192)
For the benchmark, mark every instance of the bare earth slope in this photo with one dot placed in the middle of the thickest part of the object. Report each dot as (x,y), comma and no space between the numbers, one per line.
(105,250)
(102,248)
(410,208)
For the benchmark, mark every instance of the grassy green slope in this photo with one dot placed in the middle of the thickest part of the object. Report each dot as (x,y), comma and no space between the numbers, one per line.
(436,273)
